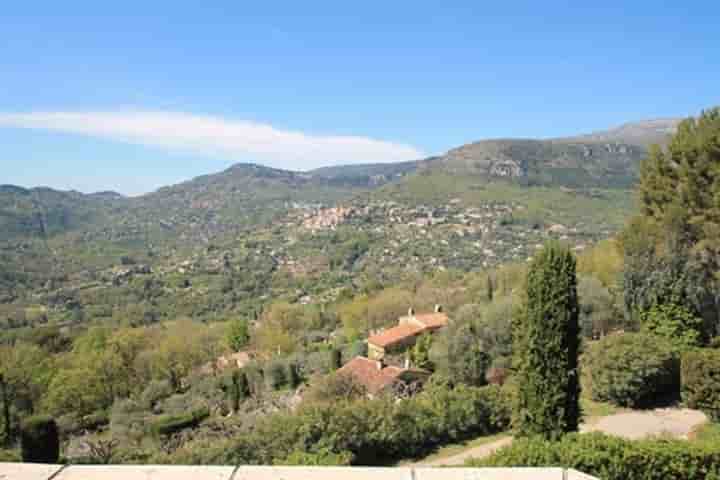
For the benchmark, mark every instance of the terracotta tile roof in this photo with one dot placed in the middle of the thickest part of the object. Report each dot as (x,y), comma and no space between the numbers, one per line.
(368,373)
(433,320)
(395,335)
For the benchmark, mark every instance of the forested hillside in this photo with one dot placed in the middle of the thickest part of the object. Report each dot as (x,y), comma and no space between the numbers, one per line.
(265,234)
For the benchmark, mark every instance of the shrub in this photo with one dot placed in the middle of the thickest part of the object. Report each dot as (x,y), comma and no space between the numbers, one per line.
(9,456)
(39,440)
(95,420)
(276,375)
(238,334)
(377,430)
(631,369)
(335,387)
(675,323)
(612,458)
(700,375)
(322,458)
(155,391)
(169,424)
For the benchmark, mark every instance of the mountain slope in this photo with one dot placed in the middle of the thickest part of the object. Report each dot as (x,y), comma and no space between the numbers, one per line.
(642,133)
(229,242)
(245,194)
(603,159)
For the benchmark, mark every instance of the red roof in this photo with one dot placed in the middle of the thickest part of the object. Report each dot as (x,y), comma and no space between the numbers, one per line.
(368,373)
(395,335)
(423,322)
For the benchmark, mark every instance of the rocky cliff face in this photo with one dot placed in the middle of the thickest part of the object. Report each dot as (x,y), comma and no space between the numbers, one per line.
(547,162)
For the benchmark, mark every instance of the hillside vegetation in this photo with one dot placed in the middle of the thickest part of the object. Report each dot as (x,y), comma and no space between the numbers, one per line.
(307,235)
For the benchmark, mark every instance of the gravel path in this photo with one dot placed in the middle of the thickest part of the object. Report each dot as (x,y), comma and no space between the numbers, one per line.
(675,422)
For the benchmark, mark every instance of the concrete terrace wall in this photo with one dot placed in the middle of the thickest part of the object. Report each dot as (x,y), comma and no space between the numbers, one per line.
(25,471)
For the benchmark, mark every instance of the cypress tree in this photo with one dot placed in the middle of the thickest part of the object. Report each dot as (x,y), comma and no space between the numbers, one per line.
(293,375)
(7,420)
(546,345)
(335,359)
(235,391)
(490,289)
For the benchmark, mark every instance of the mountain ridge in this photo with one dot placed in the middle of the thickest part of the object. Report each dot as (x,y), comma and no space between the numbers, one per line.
(247,194)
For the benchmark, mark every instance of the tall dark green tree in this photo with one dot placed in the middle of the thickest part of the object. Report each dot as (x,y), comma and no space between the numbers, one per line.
(546,345)
(7,421)
(39,440)
(672,251)
(238,389)
(335,359)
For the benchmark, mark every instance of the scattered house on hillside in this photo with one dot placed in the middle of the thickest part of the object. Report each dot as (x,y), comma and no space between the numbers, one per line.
(378,378)
(406,333)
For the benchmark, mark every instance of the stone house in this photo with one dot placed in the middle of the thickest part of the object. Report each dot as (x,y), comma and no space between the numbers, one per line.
(378,378)
(403,336)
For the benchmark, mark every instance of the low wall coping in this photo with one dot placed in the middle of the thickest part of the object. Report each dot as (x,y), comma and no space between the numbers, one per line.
(29,471)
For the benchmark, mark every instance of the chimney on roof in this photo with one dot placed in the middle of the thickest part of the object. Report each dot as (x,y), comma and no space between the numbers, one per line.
(411,312)
(438,309)
(407,363)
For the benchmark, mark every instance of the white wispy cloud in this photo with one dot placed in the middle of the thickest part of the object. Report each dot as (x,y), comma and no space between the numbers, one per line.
(218,136)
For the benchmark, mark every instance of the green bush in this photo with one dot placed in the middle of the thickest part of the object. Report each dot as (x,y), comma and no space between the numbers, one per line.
(612,458)
(95,420)
(377,430)
(169,424)
(675,323)
(276,375)
(322,458)
(9,456)
(700,373)
(631,369)
(39,440)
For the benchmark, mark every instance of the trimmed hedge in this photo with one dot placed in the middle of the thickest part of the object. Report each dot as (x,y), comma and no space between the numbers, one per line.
(631,369)
(613,458)
(39,440)
(169,424)
(700,374)
(9,456)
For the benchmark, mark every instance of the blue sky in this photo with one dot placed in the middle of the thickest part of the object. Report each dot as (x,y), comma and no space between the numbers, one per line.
(130,95)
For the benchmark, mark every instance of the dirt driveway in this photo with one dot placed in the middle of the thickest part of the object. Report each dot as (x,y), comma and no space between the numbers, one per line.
(675,422)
